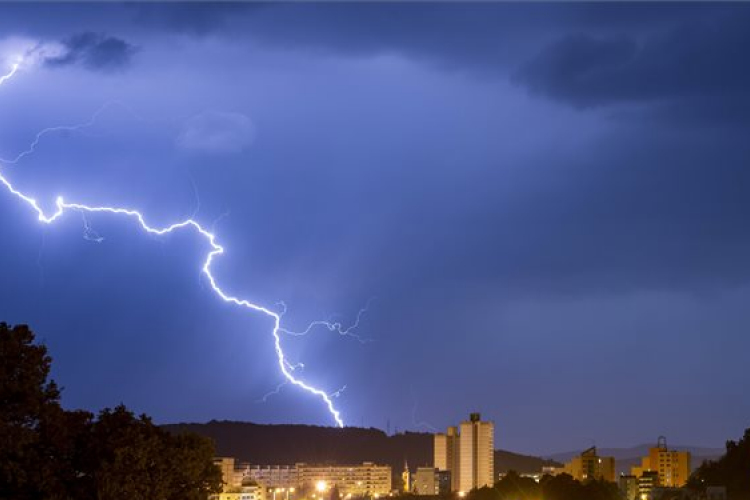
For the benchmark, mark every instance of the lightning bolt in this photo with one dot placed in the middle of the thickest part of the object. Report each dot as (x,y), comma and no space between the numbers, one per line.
(333,326)
(216,250)
(13,71)
(62,128)
(89,234)
(274,392)
(337,394)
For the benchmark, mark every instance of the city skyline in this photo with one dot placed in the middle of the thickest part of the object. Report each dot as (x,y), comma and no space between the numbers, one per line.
(536,212)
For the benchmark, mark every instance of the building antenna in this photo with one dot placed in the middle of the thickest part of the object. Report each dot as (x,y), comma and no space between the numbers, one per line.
(661,443)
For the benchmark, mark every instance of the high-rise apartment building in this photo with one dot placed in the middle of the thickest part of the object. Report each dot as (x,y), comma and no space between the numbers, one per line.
(467,453)
(476,454)
(672,467)
(446,454)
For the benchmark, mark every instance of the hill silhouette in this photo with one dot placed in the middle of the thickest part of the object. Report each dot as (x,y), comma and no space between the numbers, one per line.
(266,444)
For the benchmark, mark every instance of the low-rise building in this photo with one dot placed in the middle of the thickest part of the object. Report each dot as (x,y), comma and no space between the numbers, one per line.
(272,476)
(647,481)
(444,482)
(628,485)
(589,465)
(236,486)
(289,482)
(426,481)
(367,479)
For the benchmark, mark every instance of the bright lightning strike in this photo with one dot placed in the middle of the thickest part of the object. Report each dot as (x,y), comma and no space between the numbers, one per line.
(62,206)
(216,250)
(13,71)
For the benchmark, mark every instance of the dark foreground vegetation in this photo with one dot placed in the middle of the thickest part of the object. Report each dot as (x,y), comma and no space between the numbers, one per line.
(47,452)
(561,487)
(731,470)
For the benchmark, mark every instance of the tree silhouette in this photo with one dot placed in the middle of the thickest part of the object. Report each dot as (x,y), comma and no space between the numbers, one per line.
(47,452)
(515,487)
(731,470)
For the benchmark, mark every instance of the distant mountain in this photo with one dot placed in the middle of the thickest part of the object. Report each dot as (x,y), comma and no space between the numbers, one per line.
(628,457)
(289,444)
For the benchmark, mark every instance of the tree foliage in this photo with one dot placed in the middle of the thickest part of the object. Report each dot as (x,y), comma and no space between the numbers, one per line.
(731,470)
(516,487)
(47,452)
(562,487)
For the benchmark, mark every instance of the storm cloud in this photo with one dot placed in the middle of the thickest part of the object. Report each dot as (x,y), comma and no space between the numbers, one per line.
(217,132)
(535,193)
(95,51)
(695,59)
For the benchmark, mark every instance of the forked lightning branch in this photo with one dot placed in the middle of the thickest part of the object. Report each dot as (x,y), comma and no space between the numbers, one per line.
(63,206)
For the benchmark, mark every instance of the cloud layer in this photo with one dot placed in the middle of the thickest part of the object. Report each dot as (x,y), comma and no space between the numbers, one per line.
(534,192)
(217,132)
(95,51)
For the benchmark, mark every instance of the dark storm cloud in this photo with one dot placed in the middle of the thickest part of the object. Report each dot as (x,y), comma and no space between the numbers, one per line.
(457,201)
(694,59)
(95,51)
(481,38)
(189,18)
(477,37)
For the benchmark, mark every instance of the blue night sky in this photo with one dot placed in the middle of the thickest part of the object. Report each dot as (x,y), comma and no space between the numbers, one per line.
(544,205)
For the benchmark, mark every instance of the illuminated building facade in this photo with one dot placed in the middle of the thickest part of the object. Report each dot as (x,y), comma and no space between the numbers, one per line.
(446,454)
(367,479)
(406,480)
(468,453)
(646,484)
(672,467)
(235,485)
(476,456)
(628,485)
(227,467)
(272,476)
(589,465)
(426,481)
(307,481)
